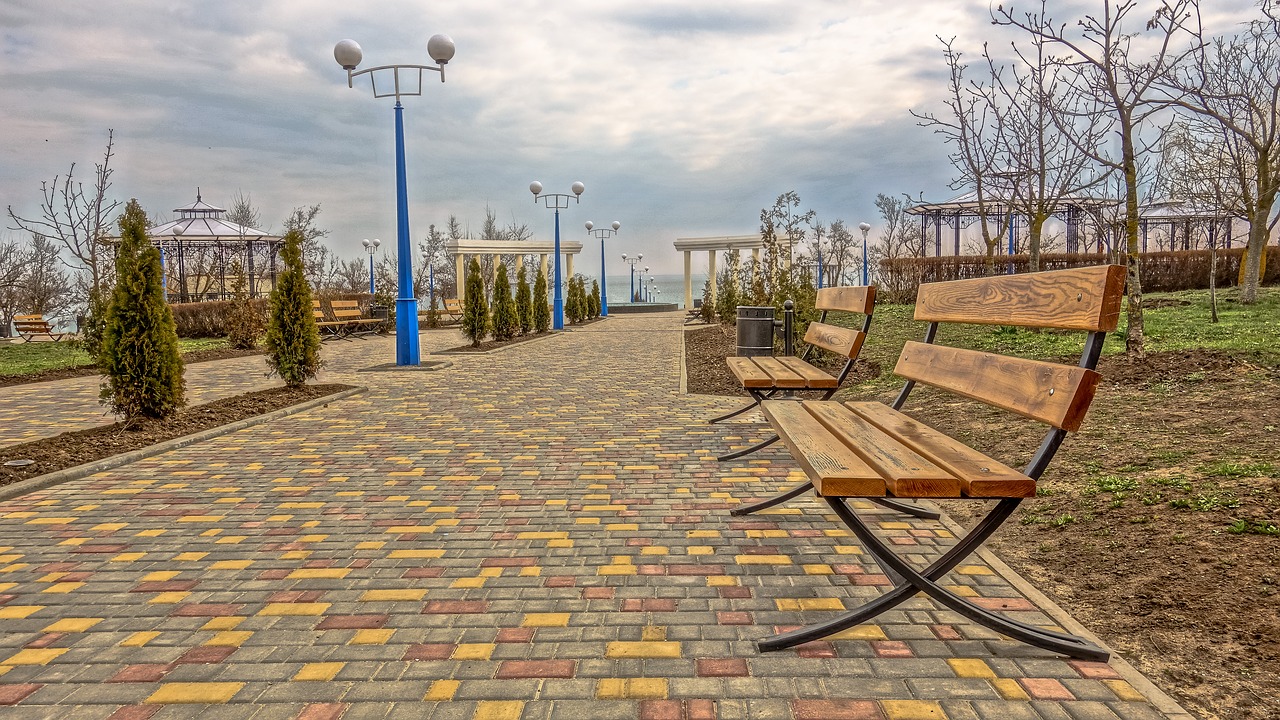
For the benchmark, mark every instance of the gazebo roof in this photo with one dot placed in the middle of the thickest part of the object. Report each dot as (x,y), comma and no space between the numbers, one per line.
(967,204)
(202,222)
(1179,210)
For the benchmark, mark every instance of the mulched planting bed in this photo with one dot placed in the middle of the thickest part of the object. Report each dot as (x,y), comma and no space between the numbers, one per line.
(1157,525)
(83,446)
(196,356)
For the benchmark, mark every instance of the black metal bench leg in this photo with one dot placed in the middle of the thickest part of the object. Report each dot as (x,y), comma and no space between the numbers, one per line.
(757,398)
(906,508)
(748,451)
(1063,643)
(777,500)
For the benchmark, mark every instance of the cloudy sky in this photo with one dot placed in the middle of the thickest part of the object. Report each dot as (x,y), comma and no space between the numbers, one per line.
(682,117)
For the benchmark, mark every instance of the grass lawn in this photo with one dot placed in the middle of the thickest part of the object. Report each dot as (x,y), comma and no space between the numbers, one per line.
(32,357)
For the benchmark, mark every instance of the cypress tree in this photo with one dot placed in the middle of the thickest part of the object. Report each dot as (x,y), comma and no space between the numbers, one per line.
(595,299)
(140,356)
(505,321)
(244,324)
(573,303)
(475,311)
(541,310)
(524,302)
(293,341)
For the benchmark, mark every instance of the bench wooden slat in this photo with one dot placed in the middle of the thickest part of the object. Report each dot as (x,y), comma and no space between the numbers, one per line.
(858,299)
(980,475)
(1076,299)
(906,472)
(748,373)
(833,468)
(1051,393)
(813,377)
(839,340)
(783,376)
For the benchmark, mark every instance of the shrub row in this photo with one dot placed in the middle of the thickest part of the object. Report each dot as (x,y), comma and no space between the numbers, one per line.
(1161,271)
(209,319)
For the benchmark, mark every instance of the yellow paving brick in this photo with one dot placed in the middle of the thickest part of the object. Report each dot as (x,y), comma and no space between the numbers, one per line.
(442,690)
(380,636)
(655,550)
(975,570)
(794,604)
(970,668)
(73,625)
(498,710)
(63,587)
(160,575)
(861,632)
(203,693)
(17,612)
(530,571)
(169,598)
(201,518)
(542,535)
(110,527)
(33,656)
(370,545)
(653,633)
(230,638)
(624,650)
(616,570)
(128,557)
(721,581)
(470,582)
(913,710)
(1009,689)
(318,671)
(228,622)
(407,595)
(190,556)
(231,565)
(762,559)
(545,620)
(560,543)
(631,689)
(815,569)
(473,651)
(51,520)
(294,609)
(314,573)
(139,639)
(1124,690)
(415,554)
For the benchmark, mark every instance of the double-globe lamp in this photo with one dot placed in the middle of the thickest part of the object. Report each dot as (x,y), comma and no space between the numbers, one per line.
(603,233)
(557,202)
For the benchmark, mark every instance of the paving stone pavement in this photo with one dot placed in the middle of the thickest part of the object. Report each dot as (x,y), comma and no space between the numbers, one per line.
(540,532)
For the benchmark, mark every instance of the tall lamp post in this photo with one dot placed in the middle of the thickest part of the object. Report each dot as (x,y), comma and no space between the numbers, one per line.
(371,247)
(557,202)
(603,233)
(865,228)
(632,262)
(348,54)
(643,296)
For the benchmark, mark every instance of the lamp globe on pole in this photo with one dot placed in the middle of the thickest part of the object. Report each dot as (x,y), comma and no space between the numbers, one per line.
(865,227)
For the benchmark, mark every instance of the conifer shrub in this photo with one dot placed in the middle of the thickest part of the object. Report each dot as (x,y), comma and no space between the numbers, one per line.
(93,326)
(293,341)
(595,300)
(505,321)
(708,311)
(244,322)
(140,356)
(475,311)
(571,301)
(541,306)
(727,299)
(524,302)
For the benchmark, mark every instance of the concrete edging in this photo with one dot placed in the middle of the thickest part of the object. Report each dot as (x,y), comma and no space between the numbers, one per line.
(41,482)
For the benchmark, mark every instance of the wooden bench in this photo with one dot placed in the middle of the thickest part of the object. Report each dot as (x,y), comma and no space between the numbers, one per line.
(358,323)
(452,310)
(329,329)
(874,451)
(31,326)
(767,376)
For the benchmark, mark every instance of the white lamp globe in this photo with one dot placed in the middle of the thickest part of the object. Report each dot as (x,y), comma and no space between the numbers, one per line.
(616,225)
(376,242)
(348,54)
(590,225)
(535,187)
(578,188)
(365,242)
(440,48)
(864,227)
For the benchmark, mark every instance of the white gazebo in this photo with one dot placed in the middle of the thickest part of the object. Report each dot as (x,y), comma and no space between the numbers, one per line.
(712,245)
(202,240)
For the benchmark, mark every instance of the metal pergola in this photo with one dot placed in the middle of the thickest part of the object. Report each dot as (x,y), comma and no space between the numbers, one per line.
(198,249)
(964,210)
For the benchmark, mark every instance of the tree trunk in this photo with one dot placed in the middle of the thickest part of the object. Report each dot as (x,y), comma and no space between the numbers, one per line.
(1134,339)
(1251,272)
(1034,234)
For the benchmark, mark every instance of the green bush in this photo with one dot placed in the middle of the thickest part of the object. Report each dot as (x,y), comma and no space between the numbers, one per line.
(524,302)
(541,308)
(708,310)
(140,355)
(93,329)
(475,311)
(505,321)
(573,302)
(727,297)
(594,307)
(244,320)
(293,341)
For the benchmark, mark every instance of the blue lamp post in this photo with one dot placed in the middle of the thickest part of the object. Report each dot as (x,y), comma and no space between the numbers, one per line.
(603,233)
(557,202)
(406,81)
(642,272)
(865,228)
(632,262)
(371,247)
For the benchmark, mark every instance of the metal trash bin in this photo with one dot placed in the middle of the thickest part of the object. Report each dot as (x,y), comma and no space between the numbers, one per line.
(755,330)
(380,312)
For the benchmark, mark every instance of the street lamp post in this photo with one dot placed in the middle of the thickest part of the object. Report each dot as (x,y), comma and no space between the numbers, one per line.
(371,247)
(643,296)
(557,202)
(865,228)
(348,54)
(603,233)
(632,262)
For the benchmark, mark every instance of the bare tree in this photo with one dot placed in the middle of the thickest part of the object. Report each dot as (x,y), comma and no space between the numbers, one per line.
(352,276)
(80,219)
(12,261)
(1232,86)
(244,213)
(1106,79)
(899,238)
(435,266)
(318,263)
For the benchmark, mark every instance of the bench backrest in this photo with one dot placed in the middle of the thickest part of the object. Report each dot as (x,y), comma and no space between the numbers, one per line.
(317,310)
(31,324)
(842,341)
(452,305)
(1086,299)
(345,309)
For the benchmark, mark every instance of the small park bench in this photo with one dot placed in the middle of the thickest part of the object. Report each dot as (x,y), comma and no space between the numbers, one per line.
(348,311)
(30,326)
(329,329)
(868,450)
(767,376)
(452,309)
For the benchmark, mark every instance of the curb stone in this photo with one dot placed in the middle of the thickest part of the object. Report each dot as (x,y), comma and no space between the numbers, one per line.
(41,482)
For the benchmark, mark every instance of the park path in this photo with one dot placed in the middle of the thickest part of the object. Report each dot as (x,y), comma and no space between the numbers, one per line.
(540,532)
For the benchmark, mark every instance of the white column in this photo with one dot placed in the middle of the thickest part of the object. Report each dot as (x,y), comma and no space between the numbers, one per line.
(460,264)
(568,266)
(688,280)
(542,266)
(711,274)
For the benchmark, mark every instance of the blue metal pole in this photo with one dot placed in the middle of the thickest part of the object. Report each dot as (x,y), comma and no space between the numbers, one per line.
(164,276)
(406,303)
(1011,220)
(557,318)
(632,297)
(371,290)
(819,269)
(604,287)
(864,260)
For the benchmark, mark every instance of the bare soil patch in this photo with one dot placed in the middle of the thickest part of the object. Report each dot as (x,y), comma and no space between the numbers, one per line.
(1157,525)
(196,356)
(83,446)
